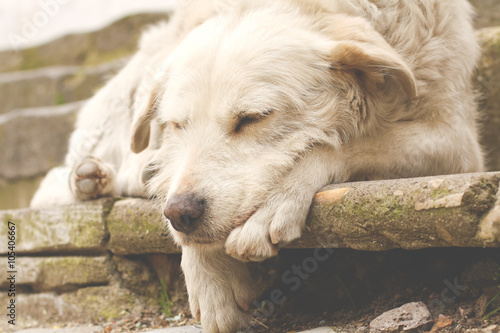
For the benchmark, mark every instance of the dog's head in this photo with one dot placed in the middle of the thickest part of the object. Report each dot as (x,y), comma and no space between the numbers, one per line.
(248,94)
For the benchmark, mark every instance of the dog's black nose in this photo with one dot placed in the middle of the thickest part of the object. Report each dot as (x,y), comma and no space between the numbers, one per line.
(184,210)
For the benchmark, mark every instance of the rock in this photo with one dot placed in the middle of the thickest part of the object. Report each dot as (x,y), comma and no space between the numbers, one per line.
(133,269)
(480,306)
(137,226)
(32,141)
(490,225)
(137,276)
(78,228)
(113,42)
(489,329)
(60,273)
(407,317)
(320,330)
(487,79)
(53,85)
(479,273)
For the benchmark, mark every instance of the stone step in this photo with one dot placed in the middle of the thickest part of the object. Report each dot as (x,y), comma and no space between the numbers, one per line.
(74,228)
(99,303)
(58,274)
(27,146)
(88,289)
(415,213)
(144,224)
(487,13)
(113,42)
(53,85)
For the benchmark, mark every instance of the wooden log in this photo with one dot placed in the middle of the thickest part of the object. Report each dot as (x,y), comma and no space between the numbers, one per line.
(415,213)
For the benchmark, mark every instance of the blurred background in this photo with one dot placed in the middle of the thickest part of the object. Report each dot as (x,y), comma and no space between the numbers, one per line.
(55,54)
(67,16)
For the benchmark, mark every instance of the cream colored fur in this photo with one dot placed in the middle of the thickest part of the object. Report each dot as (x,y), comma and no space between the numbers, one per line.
(334,90)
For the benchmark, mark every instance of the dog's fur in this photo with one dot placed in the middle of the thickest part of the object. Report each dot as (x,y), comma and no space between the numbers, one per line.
(253,105)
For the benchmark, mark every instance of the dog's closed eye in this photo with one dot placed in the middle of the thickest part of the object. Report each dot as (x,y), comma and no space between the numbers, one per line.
(178,126)
(245,119)
(174,126)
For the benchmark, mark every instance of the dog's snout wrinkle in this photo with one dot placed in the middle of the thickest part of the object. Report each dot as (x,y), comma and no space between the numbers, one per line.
(184,210)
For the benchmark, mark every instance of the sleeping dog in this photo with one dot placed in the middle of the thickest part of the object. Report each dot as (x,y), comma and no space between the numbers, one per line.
(237,111)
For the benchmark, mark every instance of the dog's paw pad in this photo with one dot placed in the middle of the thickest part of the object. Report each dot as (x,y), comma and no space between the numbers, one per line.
(87,169)
(90,179)
(87,186)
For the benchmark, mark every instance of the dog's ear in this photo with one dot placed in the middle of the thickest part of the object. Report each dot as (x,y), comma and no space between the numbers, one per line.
(141,125)
(370,65)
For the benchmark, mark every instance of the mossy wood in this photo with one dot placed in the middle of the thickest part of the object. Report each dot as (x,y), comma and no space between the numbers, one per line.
(415,213)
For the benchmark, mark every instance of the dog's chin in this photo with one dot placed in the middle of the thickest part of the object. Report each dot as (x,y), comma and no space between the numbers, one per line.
(198,238)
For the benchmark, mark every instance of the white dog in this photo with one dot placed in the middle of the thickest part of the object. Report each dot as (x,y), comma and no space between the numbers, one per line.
(238,111)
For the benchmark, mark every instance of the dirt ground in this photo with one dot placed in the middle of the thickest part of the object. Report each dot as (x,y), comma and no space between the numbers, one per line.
(352,288)
(348,289)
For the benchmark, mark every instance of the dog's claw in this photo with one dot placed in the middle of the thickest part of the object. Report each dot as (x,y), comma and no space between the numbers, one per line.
(274,238)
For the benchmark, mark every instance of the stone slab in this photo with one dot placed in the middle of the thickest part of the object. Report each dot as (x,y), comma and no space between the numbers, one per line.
(408,317)
(72,228)
(91,304)
(34,140)
(487,13)
(53,85)
(136,226)
(112,42)
(59,273)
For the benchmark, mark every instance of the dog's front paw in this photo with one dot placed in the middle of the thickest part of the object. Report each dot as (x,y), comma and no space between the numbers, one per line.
(91,179)
(268,228)
(251,241)
(220,309)
(220,289)
(288,223)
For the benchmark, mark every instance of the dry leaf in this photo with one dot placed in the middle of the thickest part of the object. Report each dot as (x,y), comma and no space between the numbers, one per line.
(441,323)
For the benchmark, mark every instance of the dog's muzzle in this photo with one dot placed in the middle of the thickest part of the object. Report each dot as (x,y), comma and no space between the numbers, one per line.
(184,211)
